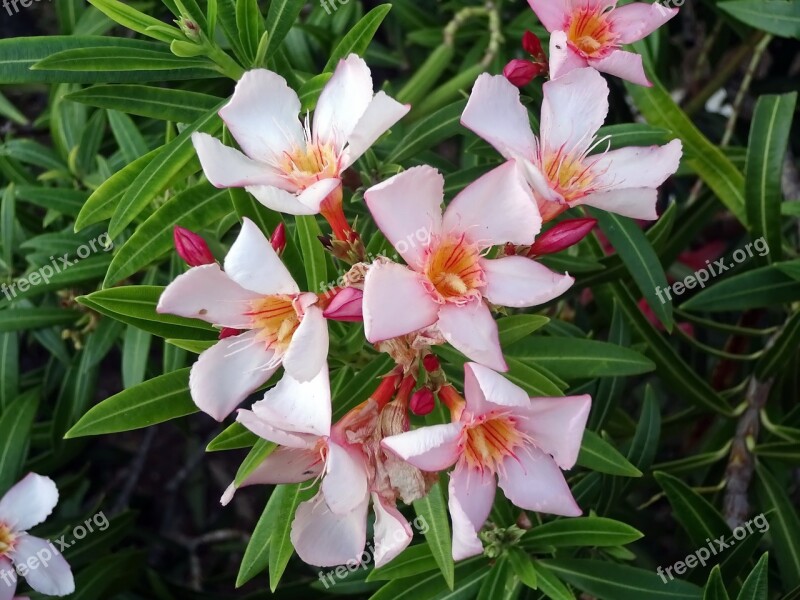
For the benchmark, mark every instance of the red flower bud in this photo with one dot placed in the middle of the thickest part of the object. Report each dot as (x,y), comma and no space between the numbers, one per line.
(422,402)
(533,46)
(431,363)
(521,72)
(278,239)
(562,236)
(192,248)
(347,305)
(227,332)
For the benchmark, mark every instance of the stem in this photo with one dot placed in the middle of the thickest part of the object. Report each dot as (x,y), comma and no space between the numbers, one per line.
(225,64)
(495,28)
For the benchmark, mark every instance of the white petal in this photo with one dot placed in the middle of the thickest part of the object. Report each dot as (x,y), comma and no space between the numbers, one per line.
(638,20)
(432,448)
(557,425)
(392,532)
(636,203)
(227,167)
(495,113)
(52,575)
(533,481)
(637,166)
(381,114)
(9,587)
(254,264)
(345,482)
(520,282)
(343,101)
(408,210)
(563,57)
(486,390)
(553,14)
(472,330)
(625,65)
(471,495)
(298,407)
(263,115)
(308,348)
(495,209)
(265,430)
(29,502)
(305,202)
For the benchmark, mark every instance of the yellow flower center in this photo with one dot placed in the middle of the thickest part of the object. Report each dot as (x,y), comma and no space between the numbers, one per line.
(6,539)
(590,32)
(277,320)
(305,166)
(568,175)
(489,440)
(454,269)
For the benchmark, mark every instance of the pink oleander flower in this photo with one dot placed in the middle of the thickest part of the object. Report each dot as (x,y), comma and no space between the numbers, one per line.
(346,305)
(520,71)
(560,168)
(25,505)
(288,165)
(448,278)
(255,294)
(499,434)
(591,33)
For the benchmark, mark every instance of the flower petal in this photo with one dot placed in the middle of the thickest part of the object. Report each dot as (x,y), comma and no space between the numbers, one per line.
(553,14)
(345,484)
(471,495)
(308,348)
(227,167)
(395,302)
(392,532)
(298,407)
(29,502)
(260,426)
(623,64)
(325,539)
(53,578)
(533,481)
(432,448)
(343,101)
(633,22)
(254,264)
(10,585)
(486,390)
(557,426)
(381,114)
(494,112)
(408,210)
(520,282)
(495,209)
(207,293)
(305,202)
(574,108)
(637,166)
(563,58)
(229,372)
(263,116)
(636,203)
(472,330)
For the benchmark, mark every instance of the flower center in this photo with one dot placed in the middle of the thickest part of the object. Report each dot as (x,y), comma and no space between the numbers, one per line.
(277,319)
(590,32)
(7,539)
(454,269)
(568,175)
(305,166)
(490,439)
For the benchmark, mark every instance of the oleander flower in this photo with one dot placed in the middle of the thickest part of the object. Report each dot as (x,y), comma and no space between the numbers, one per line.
(448,278)
(275,323)
(26,505)
(591,33)
(560,167)
(499,436)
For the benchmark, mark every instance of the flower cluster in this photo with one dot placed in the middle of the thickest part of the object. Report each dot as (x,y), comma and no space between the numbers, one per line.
(460,265)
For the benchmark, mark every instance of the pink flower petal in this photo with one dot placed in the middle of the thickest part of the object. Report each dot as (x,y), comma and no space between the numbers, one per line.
(574,108)
(347,305)
(381,114)
(343,102)
(553,14)
(495,209)
(263,116)
(207,293)
(325,539)
(432,448)
(557,426)
(471,495)
(9,587)
(623,64)
(395,302)
(520,282)
(392,532)
(533,481)
(29,502)
(308,348)
(495,113)
(563,58)
(305,202)
(407,208)
(229,372)
(255,423)
(51,579)
(486,390)
(345,484)
(253,263)
(633,22)
(637,166)
(298,407)
(636,203)
(472,330)
(227,167)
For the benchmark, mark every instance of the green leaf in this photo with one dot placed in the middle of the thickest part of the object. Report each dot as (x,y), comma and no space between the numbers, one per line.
(769,135)
(136,351)
(786,451)
(250,23)
(697,516)
(256,555)
(357,40)
(361,386)
(778,355)
(550,585)
(130,140)
(285,504)
(258,453)
(119,60)
(235,437)
(779,17)
(523,567)
(791,268)
(310,91)
(432,130)
(156,401)
(35,318)
(581,531)
(137,21)
(433,510)
(314,259)
(767,286)
(181,106)
(65,201)
(9,368)
(470,574)
(414,560)
(15,428)
(516,327)
(715,588)
(280,18)
(499,584)
(784,524)
(756,585)
(598,455)
(648,431)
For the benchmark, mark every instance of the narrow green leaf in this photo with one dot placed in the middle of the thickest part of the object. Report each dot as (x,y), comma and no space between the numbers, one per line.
(756,585)
(288,499)
(759,288)
(698,517)
(357,40)
(414,560)
(282,15)
(433,509)
(432,130)
(256,555)
(35,318)
(235,437)
(784,524)
(15,427)
(779,17)
(777,356)
(314,259)
(140,22)
(715,588)
(581,531)
(598,455)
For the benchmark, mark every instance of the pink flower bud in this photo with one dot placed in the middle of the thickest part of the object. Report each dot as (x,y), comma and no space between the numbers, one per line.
(346,306)
(422,402)
(431,363)
(227,332)
(192,248)
(521,72)
(278,239)
(562,236)
(533,46)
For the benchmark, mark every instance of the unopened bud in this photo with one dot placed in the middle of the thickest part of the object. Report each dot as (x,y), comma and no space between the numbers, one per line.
(521,72)
(192,248)
(562,236)
(422,402)
(431,363)
(227,332)
(533,46)
(189,28)
(347,305)
(278,239)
